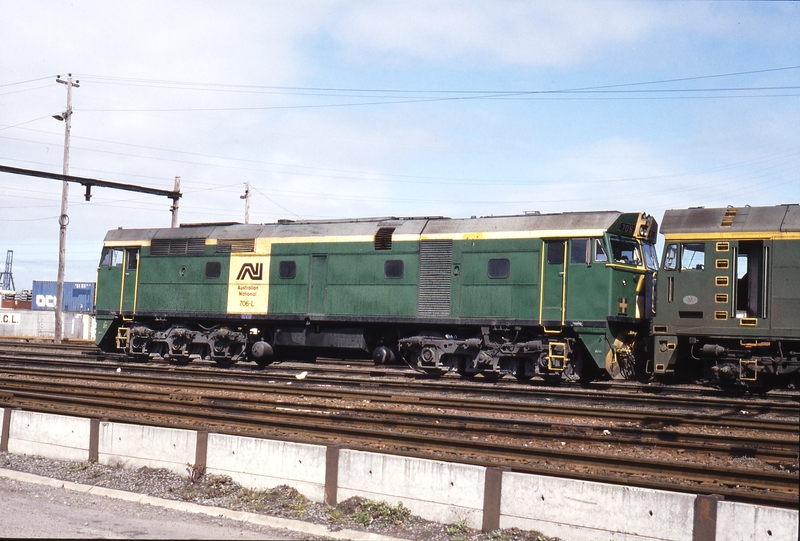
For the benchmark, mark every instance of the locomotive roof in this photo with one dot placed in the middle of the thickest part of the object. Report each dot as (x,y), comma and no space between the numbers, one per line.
(750,222)
(562,224)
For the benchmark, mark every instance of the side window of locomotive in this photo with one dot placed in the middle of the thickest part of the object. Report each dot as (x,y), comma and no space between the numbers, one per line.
(555,253)
(105,258)
(579,251)
(133,259)
(393,268)
(693,256)
(671,257)
(213,269)
(499,269)
(599,252)
(112,257)
(287,270)
(626,251)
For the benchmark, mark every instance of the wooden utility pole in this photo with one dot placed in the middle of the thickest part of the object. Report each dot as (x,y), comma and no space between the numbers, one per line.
(246,198)
(174,208)
(63,219)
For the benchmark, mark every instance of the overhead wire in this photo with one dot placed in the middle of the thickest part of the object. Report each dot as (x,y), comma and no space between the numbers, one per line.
(372,177)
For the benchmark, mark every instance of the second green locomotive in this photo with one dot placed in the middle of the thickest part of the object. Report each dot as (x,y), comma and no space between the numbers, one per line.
(729,295)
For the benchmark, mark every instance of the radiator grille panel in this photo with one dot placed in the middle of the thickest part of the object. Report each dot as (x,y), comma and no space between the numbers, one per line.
(178,247)
(236,245)
(435,272)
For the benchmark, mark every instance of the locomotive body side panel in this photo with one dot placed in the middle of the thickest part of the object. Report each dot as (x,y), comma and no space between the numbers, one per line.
(785,292)
(496,279)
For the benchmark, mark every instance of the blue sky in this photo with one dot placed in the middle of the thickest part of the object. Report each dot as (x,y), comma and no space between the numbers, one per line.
(336,109)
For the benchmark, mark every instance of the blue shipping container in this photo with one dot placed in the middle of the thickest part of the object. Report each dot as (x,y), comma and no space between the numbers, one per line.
(78,296)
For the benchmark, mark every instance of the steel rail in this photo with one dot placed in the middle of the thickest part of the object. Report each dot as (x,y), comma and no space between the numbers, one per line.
(641,394)
(727,420)
(762,446)
(316,426)
(633,392)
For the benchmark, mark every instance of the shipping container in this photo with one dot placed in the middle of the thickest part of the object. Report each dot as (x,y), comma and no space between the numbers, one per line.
(16,304)
(78,296)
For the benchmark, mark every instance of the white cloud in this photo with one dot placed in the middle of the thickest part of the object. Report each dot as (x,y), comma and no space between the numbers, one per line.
(517,33)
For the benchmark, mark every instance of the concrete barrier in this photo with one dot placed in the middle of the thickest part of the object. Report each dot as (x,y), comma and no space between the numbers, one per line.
(434,490)
(743,522)
(262,464)
(485,498)
(52,436)
(135,446)
(581,510)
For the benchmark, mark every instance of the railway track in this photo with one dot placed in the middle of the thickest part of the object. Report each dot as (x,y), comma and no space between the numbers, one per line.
(363,373)
(721,451)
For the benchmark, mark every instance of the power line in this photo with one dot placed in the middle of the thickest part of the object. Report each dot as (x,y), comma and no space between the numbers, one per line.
(28,81)
(101,79)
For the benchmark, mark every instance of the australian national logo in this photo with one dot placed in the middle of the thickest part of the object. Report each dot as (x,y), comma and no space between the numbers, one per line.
(254,271)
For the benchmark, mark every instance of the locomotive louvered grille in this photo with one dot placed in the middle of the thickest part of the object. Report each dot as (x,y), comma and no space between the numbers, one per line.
(383,238)
(435,271)
(236,245)
(178,247)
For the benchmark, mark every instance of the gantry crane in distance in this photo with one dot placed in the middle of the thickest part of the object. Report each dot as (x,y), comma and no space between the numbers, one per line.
(6,278)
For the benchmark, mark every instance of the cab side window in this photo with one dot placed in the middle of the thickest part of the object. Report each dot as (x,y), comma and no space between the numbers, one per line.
(693,256)
(599,252)
(555,253)
(671,257)
(133,258)
(112,257)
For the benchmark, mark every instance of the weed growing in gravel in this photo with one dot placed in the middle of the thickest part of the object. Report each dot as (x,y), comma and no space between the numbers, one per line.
(78,466)
(459,526)
(368,511)
(219,486)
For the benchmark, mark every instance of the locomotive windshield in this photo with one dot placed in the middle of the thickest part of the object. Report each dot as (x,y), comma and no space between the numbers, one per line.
(626,251)
(650,256)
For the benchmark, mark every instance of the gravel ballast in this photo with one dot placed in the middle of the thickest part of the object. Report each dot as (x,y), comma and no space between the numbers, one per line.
(282,501)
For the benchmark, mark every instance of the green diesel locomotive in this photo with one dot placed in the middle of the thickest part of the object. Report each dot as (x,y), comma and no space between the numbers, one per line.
(553,295)
(729,295)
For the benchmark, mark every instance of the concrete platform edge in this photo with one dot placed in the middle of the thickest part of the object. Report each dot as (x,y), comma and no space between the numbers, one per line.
(242,516)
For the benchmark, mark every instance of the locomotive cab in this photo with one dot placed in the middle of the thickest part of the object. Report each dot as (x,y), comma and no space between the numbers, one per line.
(729,300)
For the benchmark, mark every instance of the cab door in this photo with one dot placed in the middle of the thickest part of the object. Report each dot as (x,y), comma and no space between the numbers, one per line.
(130,280)
(554,276)
(109,280)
